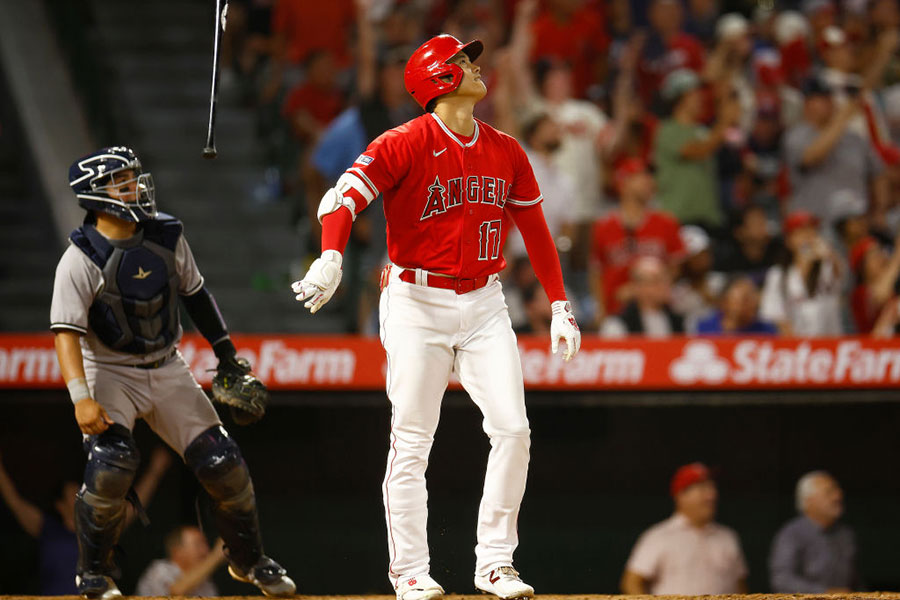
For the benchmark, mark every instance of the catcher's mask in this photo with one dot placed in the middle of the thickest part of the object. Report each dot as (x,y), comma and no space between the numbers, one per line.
(94,180)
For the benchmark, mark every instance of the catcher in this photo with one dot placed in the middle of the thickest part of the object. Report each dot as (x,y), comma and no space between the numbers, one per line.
(115,318)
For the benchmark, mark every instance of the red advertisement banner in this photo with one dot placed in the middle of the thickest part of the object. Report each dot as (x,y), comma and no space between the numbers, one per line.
(296,362)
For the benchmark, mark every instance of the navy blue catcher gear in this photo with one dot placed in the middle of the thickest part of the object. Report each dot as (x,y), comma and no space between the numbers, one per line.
(91,178)
(100,504)
(217,462)
(137,310)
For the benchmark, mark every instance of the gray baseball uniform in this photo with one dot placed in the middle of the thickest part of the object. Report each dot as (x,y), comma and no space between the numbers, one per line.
(168,397)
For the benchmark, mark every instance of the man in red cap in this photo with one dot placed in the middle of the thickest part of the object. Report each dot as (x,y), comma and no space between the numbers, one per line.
(452,187)
(631,231)
(688,553)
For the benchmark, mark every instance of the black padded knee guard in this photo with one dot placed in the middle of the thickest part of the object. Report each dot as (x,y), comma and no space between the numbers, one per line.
(217,462)
(100,504)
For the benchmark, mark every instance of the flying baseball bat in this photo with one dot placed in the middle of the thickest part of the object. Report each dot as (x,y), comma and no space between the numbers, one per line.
(209,151)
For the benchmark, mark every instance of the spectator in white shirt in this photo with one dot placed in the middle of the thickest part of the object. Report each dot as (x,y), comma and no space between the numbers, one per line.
(688,553)
(802,294)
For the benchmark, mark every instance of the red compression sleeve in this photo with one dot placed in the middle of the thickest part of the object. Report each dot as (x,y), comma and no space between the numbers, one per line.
(540,247)
(336,226)
(336,230)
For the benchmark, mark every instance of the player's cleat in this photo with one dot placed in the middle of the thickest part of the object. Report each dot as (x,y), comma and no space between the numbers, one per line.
(419,587)
(97,587)
(504,583)
(268,576)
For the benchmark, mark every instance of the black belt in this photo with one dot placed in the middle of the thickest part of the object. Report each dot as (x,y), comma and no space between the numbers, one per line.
(157,363)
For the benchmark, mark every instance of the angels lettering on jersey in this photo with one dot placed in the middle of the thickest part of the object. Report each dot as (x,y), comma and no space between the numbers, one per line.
(478,189)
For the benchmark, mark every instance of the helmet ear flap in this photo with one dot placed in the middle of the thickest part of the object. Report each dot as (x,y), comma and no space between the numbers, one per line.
(441,86)
(457,73)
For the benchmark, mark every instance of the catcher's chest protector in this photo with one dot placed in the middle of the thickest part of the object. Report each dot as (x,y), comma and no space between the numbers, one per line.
(137,309)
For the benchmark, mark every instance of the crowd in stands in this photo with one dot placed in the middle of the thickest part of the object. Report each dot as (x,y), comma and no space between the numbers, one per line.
(708,166)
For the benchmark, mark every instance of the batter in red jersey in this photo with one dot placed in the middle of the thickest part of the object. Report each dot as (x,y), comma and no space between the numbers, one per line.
(452,187)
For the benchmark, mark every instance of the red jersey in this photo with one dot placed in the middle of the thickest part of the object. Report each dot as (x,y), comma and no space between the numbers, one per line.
(614,248)
(580,42)
(308,26)
(322,104)
(444,197)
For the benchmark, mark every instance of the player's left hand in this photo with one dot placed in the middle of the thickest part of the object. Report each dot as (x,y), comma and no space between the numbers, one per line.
(320,282)
(563,325)
(235,385)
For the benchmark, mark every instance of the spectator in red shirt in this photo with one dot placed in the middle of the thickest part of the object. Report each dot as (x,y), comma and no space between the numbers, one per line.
(305,26)
(572,31)
(792,32)
(667,49)
(299,28)
(310,106)
(874,301)
(631,231)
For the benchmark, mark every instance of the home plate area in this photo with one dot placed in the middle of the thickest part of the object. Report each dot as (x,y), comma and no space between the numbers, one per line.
(850,596)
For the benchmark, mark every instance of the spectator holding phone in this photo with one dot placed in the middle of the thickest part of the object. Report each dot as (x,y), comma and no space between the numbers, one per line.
(802,293)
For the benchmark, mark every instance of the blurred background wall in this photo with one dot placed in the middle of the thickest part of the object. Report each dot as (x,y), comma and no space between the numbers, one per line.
(599,476)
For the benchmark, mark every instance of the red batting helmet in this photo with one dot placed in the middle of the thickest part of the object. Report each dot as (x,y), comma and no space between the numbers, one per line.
(428,64)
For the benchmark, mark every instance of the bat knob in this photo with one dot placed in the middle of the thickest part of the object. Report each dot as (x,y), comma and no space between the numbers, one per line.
(209,153)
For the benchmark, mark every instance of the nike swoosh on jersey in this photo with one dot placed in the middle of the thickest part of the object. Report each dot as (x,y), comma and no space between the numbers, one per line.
(141,274)
(438,153)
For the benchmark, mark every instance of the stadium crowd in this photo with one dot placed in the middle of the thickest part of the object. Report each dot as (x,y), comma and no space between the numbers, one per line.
(707,166)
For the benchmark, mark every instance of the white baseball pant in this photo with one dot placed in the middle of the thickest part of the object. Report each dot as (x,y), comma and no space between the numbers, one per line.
(428,333)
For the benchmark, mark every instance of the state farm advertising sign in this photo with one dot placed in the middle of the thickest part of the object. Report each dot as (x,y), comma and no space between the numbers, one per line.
(296,362)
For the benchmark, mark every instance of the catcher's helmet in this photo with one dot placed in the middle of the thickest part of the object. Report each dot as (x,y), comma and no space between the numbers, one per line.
(90,178)
(428,64)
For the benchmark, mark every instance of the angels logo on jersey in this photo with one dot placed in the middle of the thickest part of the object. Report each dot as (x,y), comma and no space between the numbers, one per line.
(477,189)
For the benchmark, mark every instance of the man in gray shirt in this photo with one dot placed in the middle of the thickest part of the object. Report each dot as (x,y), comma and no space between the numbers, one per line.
(814,553)
(824,156)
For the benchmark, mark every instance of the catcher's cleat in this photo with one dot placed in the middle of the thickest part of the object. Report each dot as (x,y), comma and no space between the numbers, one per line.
(268,576)
(96,587)
(504,582)
(419,587)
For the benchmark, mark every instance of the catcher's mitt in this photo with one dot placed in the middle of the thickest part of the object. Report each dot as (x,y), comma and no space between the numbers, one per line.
(235,385)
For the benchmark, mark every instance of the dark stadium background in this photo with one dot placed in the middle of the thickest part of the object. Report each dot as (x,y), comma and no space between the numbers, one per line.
(599,475)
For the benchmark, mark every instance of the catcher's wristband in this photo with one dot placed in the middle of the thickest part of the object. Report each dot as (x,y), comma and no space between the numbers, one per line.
(78,389)
(224,349)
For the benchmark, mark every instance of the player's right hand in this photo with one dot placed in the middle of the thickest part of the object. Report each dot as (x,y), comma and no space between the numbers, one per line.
(320,282)
(91,417)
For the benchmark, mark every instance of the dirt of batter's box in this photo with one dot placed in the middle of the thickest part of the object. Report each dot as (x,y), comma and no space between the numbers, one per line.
(851,596)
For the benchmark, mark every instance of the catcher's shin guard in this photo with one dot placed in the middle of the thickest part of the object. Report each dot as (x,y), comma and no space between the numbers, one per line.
(217,462)
(100,504)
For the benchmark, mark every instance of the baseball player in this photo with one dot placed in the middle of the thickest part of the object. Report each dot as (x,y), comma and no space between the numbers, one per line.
(116,323)
(452,187)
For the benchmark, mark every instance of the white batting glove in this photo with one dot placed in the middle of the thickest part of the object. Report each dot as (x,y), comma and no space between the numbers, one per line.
(563,325)
(320,282)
